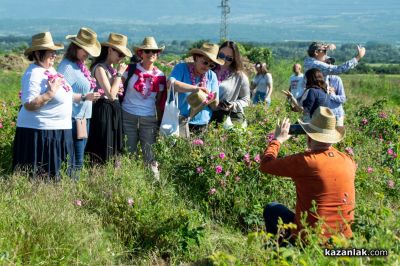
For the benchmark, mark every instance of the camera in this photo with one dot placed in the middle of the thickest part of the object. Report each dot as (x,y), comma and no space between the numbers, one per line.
(330,60)
(296,129)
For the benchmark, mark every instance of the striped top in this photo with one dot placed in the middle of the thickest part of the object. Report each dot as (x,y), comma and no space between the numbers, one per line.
(80,84)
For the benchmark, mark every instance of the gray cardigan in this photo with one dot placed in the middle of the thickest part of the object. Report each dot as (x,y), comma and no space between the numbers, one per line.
(236,90)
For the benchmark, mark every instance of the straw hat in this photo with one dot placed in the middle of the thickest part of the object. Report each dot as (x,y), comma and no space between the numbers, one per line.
(197,102)
(149,43)
(118,42)
(209,50)
(322,126)
(43,41)
(87,40)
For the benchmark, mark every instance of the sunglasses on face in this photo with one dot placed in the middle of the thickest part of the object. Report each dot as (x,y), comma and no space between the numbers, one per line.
(225,57)
(119,53)
(151,51)
(321,50)
(207,63)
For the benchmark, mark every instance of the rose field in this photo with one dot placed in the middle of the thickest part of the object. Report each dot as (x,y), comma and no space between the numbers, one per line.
(207,207)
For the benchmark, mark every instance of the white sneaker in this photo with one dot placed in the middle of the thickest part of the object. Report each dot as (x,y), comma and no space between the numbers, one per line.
(154,170)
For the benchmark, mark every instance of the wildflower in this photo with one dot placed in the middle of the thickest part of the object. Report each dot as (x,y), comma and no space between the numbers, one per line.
(199,170)
(390,151)
(197,142)
(218,169)
(390,183)
(364,121)
(370,170)
(246,158)
(212,191)
(221,155)
(349,151)
(394,155)
(270,137)
(1,125)
(382,115)
(78,203)
(257,158)
(130,201)
(237,178)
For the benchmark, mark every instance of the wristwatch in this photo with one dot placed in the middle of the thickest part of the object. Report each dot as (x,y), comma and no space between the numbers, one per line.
(119,74)
(83,97)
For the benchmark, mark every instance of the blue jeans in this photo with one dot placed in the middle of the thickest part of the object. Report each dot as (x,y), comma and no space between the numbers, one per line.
(260,97)
(272,212)
(79,149)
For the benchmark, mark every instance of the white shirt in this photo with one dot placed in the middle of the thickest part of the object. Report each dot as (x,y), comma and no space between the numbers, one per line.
(134,102)
(262,81)
(55,114)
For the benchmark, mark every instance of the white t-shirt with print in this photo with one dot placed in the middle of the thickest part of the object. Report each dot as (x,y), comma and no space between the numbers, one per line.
(55,114)
(134,102)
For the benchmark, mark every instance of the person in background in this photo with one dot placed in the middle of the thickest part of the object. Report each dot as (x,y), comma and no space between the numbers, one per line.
(315,95)
(323,177)
(234,89)
(336,94)
(140,102)
(190,78)
(107,140)
(295,78)
(43,138)
(262,84)
(73,67)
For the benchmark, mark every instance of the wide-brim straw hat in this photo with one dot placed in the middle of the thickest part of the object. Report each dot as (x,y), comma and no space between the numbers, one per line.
(197,102)
(149,43)
(209,50)
(322,127)
(43,41)
(118,42)
(87,40)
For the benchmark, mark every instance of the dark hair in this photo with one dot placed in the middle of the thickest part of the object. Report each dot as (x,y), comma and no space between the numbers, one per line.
(101,58)
(32,57)
(263,67)
(71,53)
(315,79)
(236,64)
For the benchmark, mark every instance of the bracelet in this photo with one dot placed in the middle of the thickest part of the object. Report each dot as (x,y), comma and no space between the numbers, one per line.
(119,74)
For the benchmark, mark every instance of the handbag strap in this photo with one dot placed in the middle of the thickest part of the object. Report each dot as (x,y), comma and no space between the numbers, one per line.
(174,93)
(84,113)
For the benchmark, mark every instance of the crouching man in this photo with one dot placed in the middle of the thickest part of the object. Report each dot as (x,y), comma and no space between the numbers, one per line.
(321,174)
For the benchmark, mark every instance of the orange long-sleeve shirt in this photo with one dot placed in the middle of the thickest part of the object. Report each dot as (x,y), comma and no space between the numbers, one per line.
(325,176)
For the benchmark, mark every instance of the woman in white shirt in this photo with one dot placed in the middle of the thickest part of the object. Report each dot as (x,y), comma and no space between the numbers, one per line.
(43,137)
(262,84)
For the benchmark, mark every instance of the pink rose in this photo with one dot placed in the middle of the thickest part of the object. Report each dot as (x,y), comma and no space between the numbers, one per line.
(218,169)
(197,142)
(221,155)
(199,170)
(257,158)
(390,183)
(370,170)
(78,203)
(212,191)
(246,158)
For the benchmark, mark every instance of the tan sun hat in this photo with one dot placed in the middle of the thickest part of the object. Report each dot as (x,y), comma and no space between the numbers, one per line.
(198,101)
(149,43)
(87,40)
(118,42)
(322,126)
(209,50)
(43,41)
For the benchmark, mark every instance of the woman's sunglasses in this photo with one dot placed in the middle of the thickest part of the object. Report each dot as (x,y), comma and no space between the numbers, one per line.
(225,57)
(207,63)
(151,51)
(119,53)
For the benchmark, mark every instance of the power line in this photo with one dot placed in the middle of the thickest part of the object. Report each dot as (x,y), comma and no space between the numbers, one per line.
(225,10)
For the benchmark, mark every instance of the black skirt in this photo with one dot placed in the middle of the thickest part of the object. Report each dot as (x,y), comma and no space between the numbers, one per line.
(105,136)
(41,152)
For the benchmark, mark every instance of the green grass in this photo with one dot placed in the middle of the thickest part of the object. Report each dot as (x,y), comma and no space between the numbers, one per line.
(176,221)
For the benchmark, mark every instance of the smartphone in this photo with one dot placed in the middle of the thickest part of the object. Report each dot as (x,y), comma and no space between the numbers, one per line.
(296,129)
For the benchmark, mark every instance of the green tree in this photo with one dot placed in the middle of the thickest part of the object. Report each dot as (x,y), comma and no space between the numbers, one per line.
(260,54)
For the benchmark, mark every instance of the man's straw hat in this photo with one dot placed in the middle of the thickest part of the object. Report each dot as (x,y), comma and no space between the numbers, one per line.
(209,50)
(322,127)
(87,40)
(118,42)
(43,41)
(149,43)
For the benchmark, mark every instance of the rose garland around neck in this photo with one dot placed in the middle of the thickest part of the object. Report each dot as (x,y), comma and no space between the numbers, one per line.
(87,74)
(203,78)
(50,77)
(222,74)
(140,83)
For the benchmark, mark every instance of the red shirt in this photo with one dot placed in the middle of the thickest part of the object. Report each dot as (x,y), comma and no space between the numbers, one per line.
(326,177)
